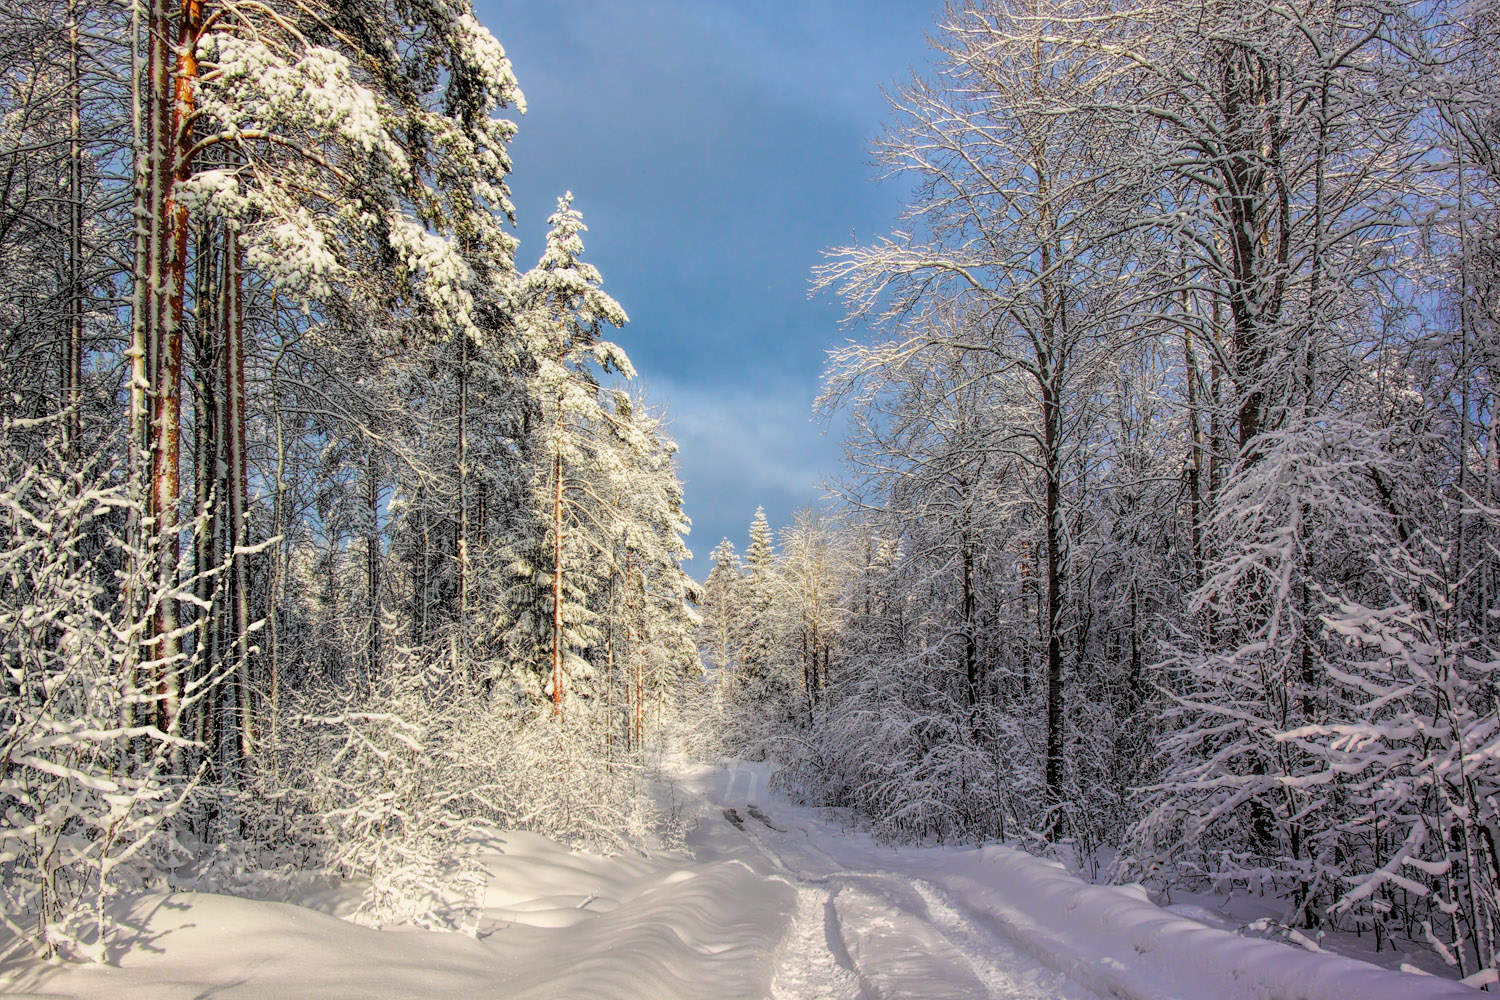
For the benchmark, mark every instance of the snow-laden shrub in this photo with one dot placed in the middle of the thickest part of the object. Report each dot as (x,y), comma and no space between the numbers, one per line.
(397,783)
(1335,741)
(1415,765)
(701,724)
(913,770)
(741,728)
(385,784)
(84,775)
(568,783)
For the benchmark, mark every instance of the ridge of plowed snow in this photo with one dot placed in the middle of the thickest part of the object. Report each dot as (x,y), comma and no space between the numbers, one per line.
(555,923)
(1113,941)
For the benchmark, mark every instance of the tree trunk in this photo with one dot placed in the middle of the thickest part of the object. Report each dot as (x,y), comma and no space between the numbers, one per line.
(166,486)
(609,670)
(808,652)
(151,126)
(633,675)
(72,380)
(557,569)
(372,562)
(207,491)
(237,494)
(1195,453)
(1052,423)
(1257,271)
(463,479)
(971,647)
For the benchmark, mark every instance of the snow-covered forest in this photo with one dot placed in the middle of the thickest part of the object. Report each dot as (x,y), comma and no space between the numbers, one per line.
(338,543)
(1170,504)
(328,530)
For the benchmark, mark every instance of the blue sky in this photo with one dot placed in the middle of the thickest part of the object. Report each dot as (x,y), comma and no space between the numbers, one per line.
(715,148)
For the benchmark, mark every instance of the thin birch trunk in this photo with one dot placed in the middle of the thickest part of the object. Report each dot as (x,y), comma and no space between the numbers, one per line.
(72,382)
(557,568)
(237,492)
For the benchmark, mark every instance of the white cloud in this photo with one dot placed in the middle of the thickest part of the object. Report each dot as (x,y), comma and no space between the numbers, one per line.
(743,448)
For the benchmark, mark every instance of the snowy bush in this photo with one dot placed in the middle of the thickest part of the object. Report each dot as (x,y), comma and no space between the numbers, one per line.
(1414,766)
(397,783)
(701,726)
(84,777)
(909,765)
(565,785)
(388,777)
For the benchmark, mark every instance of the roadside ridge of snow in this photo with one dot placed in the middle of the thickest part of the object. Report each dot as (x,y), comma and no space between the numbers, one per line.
(554,923)
(1114,942)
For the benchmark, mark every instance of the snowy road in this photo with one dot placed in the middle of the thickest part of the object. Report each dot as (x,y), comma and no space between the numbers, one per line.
(870,921)
(961,922)
(771,899)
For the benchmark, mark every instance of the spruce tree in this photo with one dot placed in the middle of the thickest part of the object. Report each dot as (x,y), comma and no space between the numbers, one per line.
(560,553)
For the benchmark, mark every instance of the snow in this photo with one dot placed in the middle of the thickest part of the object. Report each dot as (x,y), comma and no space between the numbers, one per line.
(488,57)
(768,899)
(553,922)
(898,954)
(1118,943)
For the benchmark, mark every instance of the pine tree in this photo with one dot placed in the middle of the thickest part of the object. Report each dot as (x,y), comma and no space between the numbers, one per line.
(658,653)
(759,646)
(551,603)
(722,598)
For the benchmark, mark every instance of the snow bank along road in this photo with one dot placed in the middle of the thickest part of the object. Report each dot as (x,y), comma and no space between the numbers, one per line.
(770,901)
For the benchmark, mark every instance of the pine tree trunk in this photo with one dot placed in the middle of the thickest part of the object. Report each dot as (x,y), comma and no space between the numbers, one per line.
(207,489)
(170,231)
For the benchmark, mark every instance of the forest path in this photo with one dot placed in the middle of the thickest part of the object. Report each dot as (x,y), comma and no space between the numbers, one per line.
(871,921)
(770,899)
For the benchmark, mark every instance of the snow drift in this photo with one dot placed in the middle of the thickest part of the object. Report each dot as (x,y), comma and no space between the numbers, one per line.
(1115,941)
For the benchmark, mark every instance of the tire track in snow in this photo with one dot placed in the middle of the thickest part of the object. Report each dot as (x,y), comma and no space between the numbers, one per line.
(1005,970)
(811,964)
(898,953)
(814,963)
